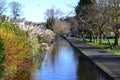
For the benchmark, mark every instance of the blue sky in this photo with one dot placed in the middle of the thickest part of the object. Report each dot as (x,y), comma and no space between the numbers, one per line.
(33,10)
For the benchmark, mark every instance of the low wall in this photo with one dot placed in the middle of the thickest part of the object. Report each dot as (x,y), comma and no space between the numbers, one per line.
(103,73)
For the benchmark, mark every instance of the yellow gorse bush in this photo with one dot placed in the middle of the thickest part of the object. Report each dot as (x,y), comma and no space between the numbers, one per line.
(16,49)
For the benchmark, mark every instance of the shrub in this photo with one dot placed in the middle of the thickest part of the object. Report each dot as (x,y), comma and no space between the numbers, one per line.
(16,48)
(1,58)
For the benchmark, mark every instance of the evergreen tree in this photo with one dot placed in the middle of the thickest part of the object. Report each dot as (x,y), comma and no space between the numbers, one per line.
(50,23)
(83,3)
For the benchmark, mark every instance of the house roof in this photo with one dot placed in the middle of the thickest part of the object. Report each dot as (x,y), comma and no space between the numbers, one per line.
(18,20)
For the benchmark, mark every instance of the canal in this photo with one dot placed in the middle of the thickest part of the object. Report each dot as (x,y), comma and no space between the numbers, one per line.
(65,63)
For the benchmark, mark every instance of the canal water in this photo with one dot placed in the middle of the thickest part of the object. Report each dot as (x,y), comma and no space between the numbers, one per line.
(65,63)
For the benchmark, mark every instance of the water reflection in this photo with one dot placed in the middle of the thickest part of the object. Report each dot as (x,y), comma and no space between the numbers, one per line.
(36,64)
(64,63)
(86,72)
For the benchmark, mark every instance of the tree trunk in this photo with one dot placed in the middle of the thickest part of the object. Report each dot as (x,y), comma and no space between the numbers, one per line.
(91,37)
(119,40)
(111,46)
(101,38)
(116,40)
(94,39)
(83,37)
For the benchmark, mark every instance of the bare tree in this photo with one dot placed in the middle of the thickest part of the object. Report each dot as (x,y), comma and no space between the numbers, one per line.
(85,14)
(61,27)
(73,25)
(100,18)
(114,21)
(15,9)
(55,13)
(49,13)
(93,17)
(2,6)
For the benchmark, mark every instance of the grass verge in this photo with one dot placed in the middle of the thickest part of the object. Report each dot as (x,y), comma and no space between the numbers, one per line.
(104,45)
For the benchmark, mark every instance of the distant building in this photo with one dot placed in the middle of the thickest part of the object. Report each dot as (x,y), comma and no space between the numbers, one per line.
(22,24)
(41,25)
(18,23)
(31,25)
(4,18)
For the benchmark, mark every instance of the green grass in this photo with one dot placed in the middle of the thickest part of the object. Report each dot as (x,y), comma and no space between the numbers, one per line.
(105,45)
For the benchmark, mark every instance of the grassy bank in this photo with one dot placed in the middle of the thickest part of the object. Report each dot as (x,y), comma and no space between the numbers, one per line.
(105,45)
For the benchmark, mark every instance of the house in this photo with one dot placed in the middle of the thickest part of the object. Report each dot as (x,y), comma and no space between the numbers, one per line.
(41,25)
(18,23)
(4,18)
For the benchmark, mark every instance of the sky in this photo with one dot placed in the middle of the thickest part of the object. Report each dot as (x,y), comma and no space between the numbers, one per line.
(34,10)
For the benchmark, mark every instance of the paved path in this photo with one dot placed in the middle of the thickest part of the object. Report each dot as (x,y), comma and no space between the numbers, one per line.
(106,61)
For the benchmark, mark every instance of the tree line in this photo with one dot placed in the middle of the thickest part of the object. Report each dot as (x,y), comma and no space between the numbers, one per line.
(98,18)
(55,23)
